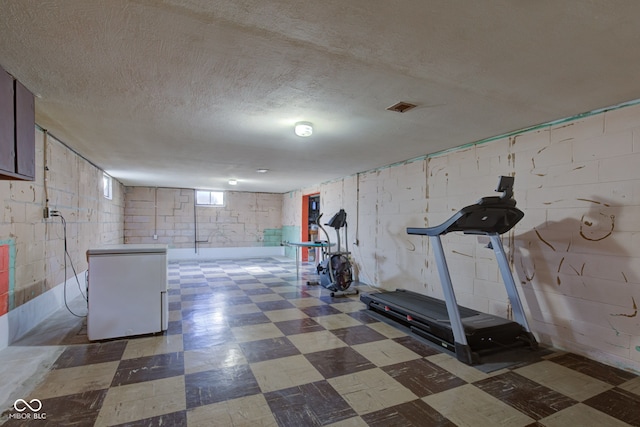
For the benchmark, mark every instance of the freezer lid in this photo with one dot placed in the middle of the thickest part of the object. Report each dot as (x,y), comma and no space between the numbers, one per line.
(128,249)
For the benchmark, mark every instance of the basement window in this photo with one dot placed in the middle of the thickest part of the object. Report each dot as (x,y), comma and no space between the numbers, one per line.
(209,198)
(107,186)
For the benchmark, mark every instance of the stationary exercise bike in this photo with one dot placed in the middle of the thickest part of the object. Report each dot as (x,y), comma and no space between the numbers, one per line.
(335,268)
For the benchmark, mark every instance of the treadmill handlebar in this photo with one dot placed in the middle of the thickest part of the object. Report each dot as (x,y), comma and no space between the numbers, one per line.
(489,215)
(475,219)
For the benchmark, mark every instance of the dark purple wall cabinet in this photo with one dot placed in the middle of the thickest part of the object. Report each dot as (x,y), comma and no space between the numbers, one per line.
(17,130)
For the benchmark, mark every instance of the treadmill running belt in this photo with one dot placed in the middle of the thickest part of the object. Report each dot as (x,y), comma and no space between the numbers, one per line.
(428,317)
(422,304)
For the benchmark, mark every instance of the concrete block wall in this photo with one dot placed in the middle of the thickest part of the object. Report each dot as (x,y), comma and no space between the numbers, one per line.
(36,245)
(164,212)
(575,255)
(247,219)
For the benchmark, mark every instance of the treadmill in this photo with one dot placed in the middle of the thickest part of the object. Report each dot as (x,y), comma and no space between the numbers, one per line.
(468,333)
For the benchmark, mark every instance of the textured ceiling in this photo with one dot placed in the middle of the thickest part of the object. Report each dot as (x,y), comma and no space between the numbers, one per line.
(191,93)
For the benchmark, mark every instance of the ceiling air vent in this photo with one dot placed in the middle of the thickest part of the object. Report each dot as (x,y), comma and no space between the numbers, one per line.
(401,107)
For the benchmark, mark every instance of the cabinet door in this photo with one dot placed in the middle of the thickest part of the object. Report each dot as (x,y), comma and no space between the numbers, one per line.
(7,145)
(25,132)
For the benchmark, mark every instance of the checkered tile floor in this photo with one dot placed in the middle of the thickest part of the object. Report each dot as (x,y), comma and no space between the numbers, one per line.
(250,344)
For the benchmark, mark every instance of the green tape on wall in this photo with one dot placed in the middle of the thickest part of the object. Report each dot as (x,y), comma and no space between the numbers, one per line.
(272,236)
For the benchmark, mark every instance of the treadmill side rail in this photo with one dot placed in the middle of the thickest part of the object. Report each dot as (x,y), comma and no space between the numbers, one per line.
(509,284)
(512,290)
(449,294)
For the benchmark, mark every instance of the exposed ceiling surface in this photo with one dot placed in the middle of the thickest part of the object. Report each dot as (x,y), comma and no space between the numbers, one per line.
(192,93)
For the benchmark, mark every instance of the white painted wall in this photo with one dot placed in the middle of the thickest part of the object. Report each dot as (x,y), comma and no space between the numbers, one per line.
(246,219)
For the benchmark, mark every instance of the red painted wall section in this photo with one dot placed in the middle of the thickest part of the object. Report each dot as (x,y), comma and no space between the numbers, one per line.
(305,226)
(4,279)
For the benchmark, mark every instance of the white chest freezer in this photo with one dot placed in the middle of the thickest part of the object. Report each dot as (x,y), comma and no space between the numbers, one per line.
(127,290)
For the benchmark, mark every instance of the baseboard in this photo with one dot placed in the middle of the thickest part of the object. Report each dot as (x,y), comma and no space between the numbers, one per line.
(178,254)
(19,321)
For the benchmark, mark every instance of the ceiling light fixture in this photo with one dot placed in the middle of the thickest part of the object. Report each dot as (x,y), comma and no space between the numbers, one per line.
(262,170)
(233,182)
(303,129)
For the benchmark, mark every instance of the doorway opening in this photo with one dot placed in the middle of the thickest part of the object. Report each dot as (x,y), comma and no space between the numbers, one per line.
(310,212)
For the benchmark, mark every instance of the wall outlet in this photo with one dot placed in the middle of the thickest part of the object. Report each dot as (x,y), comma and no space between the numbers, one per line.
(155,237)
(48,213)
